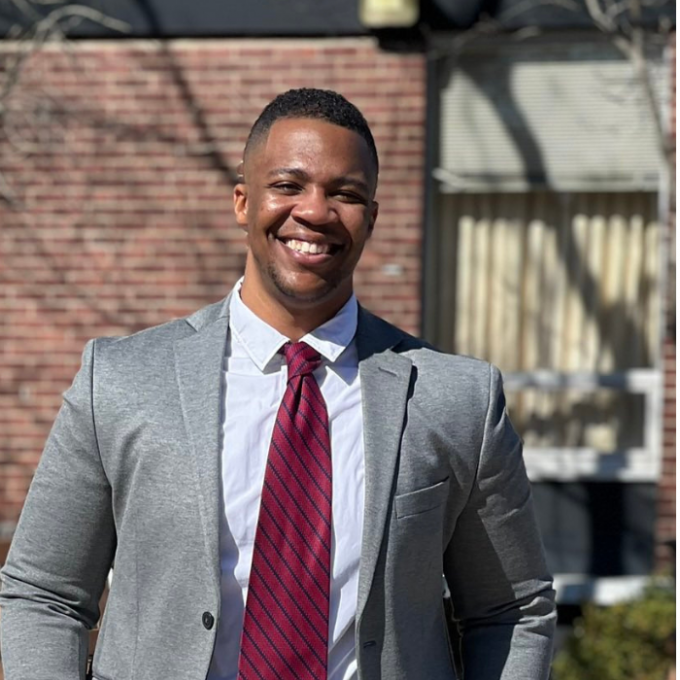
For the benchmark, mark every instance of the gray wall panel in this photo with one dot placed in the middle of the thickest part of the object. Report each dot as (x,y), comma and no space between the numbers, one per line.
(597,528)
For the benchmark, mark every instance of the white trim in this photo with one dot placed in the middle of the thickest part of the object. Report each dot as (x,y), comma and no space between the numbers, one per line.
(450,182)
(637,381)
(639,464)
(609,590)
(220,44)
(574,464)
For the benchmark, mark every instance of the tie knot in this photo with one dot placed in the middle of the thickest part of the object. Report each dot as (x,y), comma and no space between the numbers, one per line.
(301,358)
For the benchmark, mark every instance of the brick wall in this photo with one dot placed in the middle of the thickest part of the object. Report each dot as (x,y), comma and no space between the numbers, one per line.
(666,507)
(665,529)
(117,163)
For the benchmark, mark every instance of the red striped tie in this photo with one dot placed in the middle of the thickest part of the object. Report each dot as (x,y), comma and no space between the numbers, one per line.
(285,630)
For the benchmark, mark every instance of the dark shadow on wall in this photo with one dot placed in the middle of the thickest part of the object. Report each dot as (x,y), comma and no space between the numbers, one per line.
(498,91)
(192,106)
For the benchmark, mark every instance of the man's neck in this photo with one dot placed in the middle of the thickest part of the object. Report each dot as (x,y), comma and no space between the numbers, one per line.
(293,321)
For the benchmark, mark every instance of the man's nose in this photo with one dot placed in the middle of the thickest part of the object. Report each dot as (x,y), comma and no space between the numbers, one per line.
(313,207)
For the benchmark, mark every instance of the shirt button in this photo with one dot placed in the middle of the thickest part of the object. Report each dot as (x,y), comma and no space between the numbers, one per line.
(208,620)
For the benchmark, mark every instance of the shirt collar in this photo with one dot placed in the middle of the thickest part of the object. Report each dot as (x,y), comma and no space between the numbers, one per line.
(262,342)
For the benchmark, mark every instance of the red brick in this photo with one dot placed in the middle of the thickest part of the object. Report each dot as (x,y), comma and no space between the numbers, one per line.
(666,507)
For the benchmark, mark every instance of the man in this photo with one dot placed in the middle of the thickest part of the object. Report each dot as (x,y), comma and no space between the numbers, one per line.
(282,478)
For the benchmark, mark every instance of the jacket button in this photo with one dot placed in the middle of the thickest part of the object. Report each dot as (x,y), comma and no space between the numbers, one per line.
(208,620)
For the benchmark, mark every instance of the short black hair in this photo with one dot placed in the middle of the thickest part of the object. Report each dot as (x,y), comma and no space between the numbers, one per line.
(308,102)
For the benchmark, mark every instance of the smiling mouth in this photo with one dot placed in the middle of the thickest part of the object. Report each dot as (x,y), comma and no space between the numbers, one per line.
(309,248)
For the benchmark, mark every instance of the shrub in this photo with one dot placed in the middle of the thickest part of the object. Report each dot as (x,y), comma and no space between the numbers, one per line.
(630,641)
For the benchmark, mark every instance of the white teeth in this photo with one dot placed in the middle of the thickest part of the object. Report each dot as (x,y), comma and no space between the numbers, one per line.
(306,247)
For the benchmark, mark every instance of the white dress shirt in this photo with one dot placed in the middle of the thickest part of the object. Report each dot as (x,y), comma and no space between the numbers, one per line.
(255,377)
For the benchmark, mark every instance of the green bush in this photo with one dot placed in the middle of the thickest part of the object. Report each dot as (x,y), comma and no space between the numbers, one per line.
(630,641)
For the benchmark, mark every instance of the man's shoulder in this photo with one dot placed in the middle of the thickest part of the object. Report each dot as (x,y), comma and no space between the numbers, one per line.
(425,355)
(441,380)
(160,338)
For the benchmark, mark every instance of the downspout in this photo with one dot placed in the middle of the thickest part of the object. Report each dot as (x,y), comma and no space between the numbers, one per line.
(429,289)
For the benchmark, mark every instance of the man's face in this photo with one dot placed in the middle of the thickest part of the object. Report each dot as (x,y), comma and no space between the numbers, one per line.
(307,207)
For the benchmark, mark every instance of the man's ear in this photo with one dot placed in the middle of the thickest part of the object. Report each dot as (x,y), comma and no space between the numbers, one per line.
(374,216)
(241,204)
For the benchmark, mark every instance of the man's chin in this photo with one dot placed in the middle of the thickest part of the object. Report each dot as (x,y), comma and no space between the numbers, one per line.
(304,295)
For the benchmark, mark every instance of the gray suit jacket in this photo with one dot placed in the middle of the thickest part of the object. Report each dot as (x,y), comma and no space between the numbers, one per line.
(131,472)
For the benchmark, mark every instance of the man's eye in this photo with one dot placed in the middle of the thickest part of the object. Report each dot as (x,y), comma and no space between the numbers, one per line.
(350,197)
(286,187)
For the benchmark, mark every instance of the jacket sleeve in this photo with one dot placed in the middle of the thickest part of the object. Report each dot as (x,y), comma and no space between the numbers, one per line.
(62,549)
(494,565)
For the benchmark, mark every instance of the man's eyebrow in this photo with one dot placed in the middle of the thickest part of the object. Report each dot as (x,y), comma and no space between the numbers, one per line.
(295,172)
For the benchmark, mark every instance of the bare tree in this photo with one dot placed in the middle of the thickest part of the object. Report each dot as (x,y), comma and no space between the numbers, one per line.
(621,21)
(42,22)
(37,119)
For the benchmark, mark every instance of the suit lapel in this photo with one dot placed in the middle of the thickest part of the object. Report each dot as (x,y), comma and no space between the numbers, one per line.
(385,378)
(199,361)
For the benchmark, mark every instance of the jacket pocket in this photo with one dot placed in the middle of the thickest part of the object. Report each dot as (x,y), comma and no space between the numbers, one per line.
(422,500)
